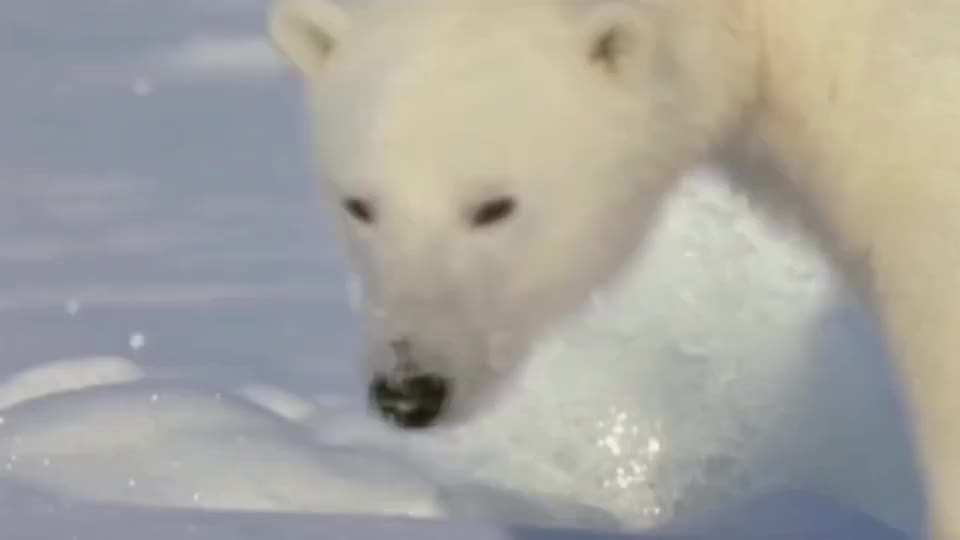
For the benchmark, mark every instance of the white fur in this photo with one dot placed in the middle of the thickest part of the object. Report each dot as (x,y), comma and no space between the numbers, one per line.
(428,107)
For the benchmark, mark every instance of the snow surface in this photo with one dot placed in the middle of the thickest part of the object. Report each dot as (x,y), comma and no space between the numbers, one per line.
(177,334)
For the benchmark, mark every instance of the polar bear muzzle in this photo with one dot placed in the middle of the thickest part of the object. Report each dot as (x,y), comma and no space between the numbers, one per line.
(409,399)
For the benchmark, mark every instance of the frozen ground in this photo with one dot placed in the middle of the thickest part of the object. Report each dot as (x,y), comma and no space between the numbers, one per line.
(158,232)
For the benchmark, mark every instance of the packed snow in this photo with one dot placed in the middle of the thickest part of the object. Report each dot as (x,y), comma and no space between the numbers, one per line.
(177,330)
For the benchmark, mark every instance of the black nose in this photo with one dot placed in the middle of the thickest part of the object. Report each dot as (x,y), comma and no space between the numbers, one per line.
(411,402)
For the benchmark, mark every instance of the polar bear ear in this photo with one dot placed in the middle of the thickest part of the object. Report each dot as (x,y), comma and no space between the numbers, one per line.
(622,37)
(306,32)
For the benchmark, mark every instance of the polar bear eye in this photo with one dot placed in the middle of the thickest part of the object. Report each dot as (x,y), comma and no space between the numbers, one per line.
(493,211)
(359,209)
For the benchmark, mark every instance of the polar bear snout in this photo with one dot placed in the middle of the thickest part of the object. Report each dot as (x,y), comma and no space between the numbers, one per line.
(409,398)
(410,402)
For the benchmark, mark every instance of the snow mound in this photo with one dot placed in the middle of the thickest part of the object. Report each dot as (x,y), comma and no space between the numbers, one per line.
(66,375)
(176,445)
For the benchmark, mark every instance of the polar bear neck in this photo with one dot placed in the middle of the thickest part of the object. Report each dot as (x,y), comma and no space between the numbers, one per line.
(806,76)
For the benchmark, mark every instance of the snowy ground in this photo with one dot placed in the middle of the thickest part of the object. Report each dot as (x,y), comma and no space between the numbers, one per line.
(158,231)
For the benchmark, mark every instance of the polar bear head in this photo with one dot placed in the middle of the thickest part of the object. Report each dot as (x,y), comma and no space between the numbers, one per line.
(490,163)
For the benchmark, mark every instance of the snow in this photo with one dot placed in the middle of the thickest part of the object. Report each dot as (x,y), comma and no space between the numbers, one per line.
(178,335)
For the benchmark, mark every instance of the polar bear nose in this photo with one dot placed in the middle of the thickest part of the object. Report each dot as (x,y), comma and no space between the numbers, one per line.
(410,402)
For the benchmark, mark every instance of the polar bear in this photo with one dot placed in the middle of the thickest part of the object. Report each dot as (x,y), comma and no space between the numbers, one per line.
(494,161)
